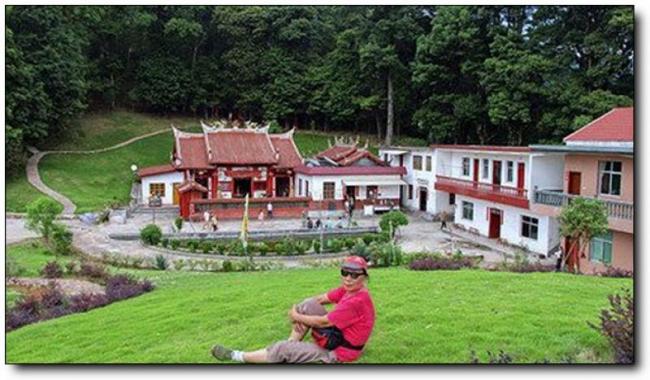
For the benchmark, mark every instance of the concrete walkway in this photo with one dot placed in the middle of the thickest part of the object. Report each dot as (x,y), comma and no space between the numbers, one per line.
(34,178)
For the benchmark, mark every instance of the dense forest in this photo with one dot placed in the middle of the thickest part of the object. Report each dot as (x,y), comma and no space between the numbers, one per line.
(453,74)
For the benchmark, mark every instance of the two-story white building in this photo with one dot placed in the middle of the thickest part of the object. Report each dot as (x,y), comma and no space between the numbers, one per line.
(486,188)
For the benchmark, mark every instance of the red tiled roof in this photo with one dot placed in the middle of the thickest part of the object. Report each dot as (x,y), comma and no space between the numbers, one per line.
(491,148)
(289,155)
(241,147)
(337,152)
(154,170)
(615,125)
(350,170)
(346,155)
(193,153)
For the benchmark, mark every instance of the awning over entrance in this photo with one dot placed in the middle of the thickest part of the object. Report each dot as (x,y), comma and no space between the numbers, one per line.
(374,182)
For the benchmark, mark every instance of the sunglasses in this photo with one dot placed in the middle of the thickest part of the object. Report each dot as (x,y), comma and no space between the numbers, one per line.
(354,275)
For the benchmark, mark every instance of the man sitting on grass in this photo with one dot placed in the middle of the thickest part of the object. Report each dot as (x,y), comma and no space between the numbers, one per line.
(339,336)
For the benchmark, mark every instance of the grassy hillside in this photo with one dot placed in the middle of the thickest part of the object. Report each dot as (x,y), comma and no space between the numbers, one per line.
(19,193)
(422,317)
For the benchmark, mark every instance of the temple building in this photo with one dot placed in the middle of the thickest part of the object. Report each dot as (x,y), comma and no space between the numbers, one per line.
(215,169)
(345,171)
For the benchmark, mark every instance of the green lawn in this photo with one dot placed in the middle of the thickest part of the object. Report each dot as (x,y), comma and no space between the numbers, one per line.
(19,193)
(29,258)
(422,317)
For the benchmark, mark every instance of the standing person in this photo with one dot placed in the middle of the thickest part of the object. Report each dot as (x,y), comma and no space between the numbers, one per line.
(214,223)
(443,220)
(206,220)
(260,216)
(269,210)
(310,223)
(339,335)
(318,224)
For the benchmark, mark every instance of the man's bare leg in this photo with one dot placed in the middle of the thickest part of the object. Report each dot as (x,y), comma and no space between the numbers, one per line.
(259,356)
(298,332)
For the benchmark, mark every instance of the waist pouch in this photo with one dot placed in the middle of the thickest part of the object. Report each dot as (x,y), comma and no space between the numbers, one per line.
(335,339)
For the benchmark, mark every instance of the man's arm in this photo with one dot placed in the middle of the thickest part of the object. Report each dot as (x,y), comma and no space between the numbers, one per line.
(323,299)
(309,320)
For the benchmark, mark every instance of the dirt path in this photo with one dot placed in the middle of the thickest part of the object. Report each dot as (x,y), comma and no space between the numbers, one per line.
(34,178)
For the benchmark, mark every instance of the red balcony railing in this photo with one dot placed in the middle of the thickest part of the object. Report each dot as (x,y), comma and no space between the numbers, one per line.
(496,193)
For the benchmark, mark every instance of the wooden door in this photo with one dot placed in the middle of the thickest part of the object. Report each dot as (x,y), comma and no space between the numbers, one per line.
(495,223)
(574,183)
(176,196)
(476,166)
(423,199)
(521,175)
(496,172)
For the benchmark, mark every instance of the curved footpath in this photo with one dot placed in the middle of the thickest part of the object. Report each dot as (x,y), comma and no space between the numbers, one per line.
(34,178)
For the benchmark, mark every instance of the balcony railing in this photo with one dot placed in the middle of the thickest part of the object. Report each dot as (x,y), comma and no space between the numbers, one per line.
(485,187)
(620,210)
(496,193)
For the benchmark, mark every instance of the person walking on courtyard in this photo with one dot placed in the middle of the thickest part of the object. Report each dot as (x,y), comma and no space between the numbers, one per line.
(214,223)
(443,220)
(269,210)
(338,336)
(206,220)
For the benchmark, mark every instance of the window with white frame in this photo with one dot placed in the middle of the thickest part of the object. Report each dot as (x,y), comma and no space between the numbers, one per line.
(417,162)
(601,248)
(529,227)
(510,171)
(610,177)
(429,164)
(466,166)
(468,210)
(486,168)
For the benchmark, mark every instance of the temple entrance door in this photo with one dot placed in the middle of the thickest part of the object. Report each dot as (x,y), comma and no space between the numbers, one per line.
(281,186)
(242,187)
(176,195)
(495,223)
(203,181)
(351,192)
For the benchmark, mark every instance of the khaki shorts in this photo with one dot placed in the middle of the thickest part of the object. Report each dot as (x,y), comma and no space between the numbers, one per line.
(301,352)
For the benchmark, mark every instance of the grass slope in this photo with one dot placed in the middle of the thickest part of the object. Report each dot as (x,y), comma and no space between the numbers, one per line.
(422,317)
(29,257)
(19,193)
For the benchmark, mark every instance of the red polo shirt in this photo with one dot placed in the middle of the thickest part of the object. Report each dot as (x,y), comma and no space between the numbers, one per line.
(354,315)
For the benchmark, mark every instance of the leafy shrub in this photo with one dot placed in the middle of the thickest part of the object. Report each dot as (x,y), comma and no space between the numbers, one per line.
(86,301)
(262,248)
(18,317)
(151,234)
(52,270)
(317,247)
(227,266)
(245,266)
(179,264)
(192,245)
(94,271)
(617,326)
(52,297)
(235,248)
(300,247)
(206,246)
(394,219)
(175,243)
(164,242)
(71,267)
(349,242)
(438,262)
(122,286)
(361,249)
(41,214)
(161,262)
(616,272)
(385,254)
(206,265)
(61,239)
(220,248)
(192,263)
(334,245)
(178,223)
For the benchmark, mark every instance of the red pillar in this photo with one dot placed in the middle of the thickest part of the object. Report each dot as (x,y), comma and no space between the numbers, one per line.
(269,182)
(215,184)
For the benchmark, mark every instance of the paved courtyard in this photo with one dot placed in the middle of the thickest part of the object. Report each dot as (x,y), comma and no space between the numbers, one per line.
(419,236)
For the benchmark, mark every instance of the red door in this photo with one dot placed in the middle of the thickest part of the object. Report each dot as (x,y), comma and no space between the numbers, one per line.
(185,205)
(521,177)
(574,183)
(495,223)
